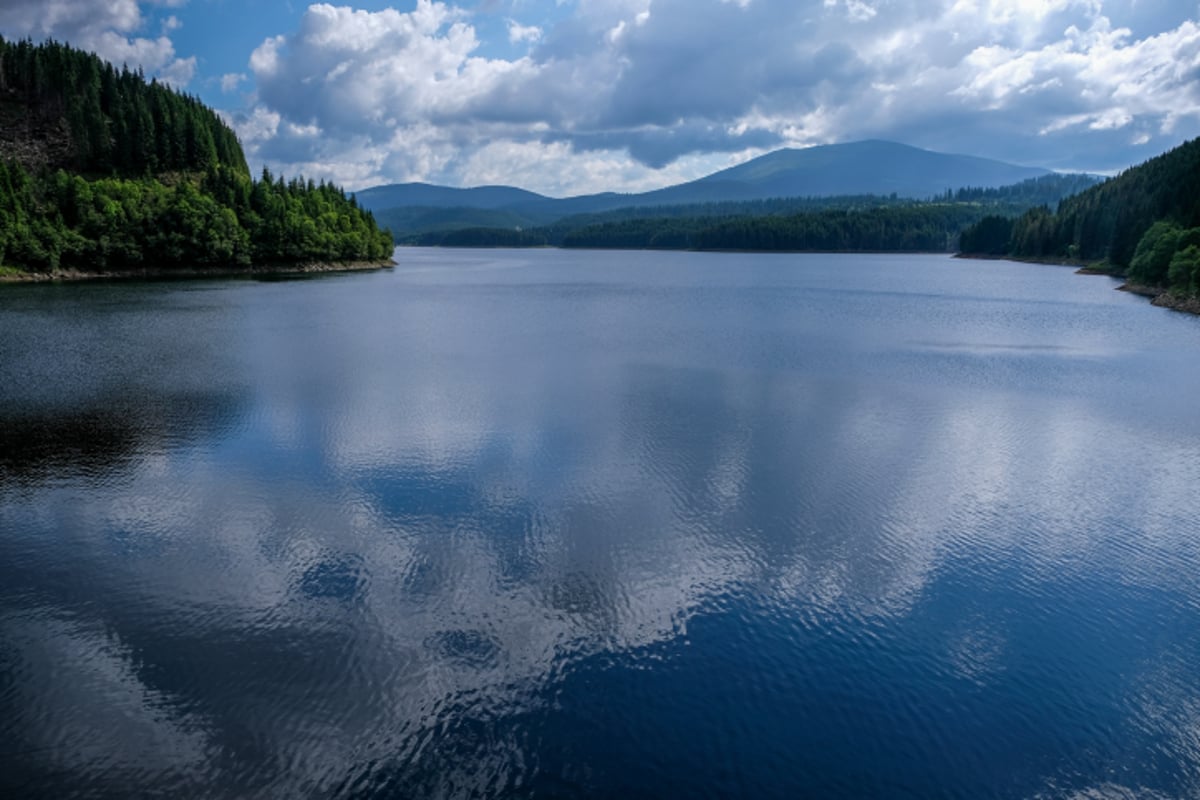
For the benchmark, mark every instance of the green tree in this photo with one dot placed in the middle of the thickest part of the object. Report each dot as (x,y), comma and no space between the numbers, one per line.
(1152,258)
(1184,269)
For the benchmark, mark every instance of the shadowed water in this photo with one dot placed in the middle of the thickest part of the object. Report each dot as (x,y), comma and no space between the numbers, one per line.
(601,524)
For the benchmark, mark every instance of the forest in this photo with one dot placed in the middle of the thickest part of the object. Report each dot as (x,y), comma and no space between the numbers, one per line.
(851,223)
(1143,224)
(103,171)
(900,229)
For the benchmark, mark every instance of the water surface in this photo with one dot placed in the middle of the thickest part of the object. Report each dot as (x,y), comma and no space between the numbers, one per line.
(601,524)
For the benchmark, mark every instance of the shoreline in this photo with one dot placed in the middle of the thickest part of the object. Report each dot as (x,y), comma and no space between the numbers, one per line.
(185,273)
(1083,267)
(1163,298)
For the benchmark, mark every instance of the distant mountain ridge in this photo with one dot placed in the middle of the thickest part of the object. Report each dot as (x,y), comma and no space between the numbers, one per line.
(871,167)
(428,195)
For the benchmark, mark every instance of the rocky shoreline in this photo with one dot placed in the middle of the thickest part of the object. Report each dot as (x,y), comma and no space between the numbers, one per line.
(1188,304)
(169,273)
(1163,298)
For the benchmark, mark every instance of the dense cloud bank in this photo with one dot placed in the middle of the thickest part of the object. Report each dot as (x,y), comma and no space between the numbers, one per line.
(566,97)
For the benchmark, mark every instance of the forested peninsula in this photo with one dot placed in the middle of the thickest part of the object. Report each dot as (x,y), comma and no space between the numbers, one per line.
(105,173)
(1143,225)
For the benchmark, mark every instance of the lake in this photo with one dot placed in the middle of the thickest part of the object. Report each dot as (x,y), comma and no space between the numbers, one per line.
(601,524)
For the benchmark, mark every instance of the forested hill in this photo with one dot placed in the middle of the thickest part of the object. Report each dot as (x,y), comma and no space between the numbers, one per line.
(102,171)
(864,167)
(857,223)
(875,168)
(61,107)
(1144,223)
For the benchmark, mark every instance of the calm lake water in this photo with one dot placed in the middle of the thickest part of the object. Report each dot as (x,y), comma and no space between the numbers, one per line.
(582,524)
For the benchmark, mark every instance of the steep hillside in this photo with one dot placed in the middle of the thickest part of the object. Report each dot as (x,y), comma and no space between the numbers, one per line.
(1108,221)
(102,171)
(61,107)
(1145,223)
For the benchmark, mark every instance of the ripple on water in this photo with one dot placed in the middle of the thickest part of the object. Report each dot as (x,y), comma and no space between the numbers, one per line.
(470,650)
(655,524)
(335,577)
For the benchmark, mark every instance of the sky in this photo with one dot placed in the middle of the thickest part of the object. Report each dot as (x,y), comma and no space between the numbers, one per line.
(567,97)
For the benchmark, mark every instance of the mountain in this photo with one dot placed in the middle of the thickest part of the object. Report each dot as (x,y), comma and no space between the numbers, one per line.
(858,168)
(851,223)
(867,167)
(427,195)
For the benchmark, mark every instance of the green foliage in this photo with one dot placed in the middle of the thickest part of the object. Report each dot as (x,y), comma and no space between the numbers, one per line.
(1108,221)
(1184,270)
(64,221)
(1033,230)
(1152,258)
(412,222)
(917,227)
(118,123)
(855,222)
(1168,255)
(1047,190)
(157,181)
(991,236)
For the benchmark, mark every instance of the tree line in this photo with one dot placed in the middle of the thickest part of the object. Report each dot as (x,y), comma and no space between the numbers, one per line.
(66,222)
(1144,223)
(116,121)
(149,178)
(847,223)
(915,227)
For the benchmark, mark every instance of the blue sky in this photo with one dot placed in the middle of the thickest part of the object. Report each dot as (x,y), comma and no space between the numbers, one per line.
(572,96)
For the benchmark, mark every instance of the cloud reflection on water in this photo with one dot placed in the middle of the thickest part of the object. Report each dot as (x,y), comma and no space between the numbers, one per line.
(390,548)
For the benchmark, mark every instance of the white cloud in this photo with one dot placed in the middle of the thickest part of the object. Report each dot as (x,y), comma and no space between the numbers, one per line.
(518,33)
(109,28)
(352,70)
(259,126)
(1117,80)
(559,170)
(231,81)
(264,61)
(179,72)
(856,10)
(632,93)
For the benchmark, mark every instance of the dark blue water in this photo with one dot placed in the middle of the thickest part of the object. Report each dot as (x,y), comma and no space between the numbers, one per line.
(601,524)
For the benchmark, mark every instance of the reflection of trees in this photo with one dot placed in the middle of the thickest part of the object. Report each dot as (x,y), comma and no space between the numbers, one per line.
(40,447)
(95,440)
